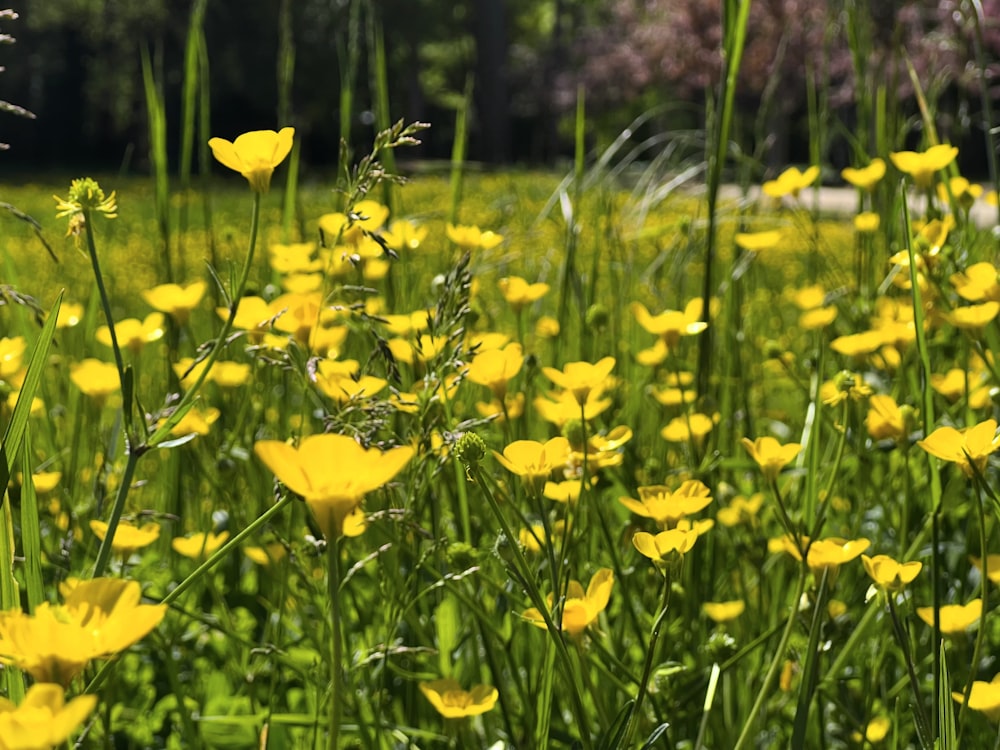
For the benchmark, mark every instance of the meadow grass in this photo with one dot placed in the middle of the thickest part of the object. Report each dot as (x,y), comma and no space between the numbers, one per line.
(592,460)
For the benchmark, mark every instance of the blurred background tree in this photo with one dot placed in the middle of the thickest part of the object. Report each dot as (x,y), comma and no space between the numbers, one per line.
(77,66)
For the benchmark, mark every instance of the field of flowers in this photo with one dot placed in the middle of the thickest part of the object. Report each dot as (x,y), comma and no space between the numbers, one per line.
(510,462)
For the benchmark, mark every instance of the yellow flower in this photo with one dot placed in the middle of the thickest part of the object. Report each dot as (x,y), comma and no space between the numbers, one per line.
(992,564)
(831,553)
(885,419)
(519,293)
(95,378)
(128,536)
(770,455)
(254,155)
(979,282)
(85,195)
(496,367)
(741,510)
(876,731)
(472,238)
(97,619)
(667,507)
(175,300)
(689,427)
(11,356)
(199,546)
(580,610)
(332,473)
(404,235)
(196,421)
(984,697)
(546,327)
(132,333)
(974,316)
(70,314)
(954,619)
(567,491)
(452,702)
(44,718)
(670,325)
(580,378)
(922,166)
(968,447)
(534,461)
(790,182)
(952,385)
(754,242)
(888,574)
(723,611)
(865,178)
(867,222)
(559,408)
(266,555)
(665,546)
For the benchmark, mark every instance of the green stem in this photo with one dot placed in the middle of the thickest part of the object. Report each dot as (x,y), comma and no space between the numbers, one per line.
(920,718)
(520,566)
(647,668)
(336,643)
(187,401)
(775,665)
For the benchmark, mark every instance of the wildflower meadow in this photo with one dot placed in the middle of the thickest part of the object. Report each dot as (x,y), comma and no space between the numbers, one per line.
(608,457)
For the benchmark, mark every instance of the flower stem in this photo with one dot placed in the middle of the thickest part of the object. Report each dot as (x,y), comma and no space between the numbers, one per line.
(779,654)
(647,669)
(336,642)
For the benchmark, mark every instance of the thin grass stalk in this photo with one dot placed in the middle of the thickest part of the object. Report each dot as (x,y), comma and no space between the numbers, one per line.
(31,534)
(286,76)
(189,112)
(349,52)
(204,152)
(383,119)
(336,642)
(807,687)
(735,16)
(779,654)
(520,566)
(647,669)
(458,150)
(157,129)
(927,420)
(13,679)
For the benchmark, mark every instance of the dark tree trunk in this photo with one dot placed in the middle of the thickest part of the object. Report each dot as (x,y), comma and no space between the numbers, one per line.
(492,97)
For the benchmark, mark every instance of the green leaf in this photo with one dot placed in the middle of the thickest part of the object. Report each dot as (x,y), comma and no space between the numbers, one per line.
(448,620)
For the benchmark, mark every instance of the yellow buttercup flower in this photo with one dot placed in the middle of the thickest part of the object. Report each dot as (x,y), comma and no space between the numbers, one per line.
(690,427)
(95,378)
(992,564)
(665,506)
(790,182)
(495,368)
(888,574)
(580,609)
(254,155)
(534,461)
(85,194)
(974,316)
(984,697)
(44,718)
(831,553)
(865,178)
(867,222)
(954,619)
(670,326)
(665,546)
(581,378)
(472,238)
(885,420)
(970,447)
(128,537)
(199,546)
(561,407)
(98,618)
(754,242)
(404,235)
(332,473)
(741,510)
(921,166)
(519,293)
(770,455)
(452,702)
(723,611)
(132,333)
(175,300)
(979,283)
